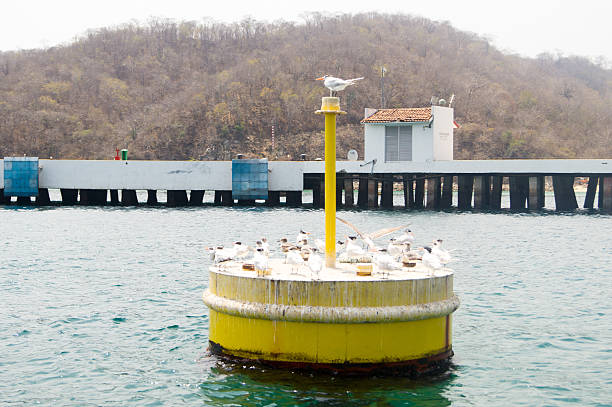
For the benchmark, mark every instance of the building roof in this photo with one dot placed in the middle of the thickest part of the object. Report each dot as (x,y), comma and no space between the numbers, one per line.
(411,114)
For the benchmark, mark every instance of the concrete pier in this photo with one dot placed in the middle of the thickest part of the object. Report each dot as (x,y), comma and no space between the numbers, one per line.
(428,184)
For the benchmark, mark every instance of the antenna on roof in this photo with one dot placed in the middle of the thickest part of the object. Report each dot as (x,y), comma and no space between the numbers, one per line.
(452,99)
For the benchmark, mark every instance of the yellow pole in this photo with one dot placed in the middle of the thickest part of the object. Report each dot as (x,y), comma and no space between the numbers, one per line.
(330,189)
(330,106)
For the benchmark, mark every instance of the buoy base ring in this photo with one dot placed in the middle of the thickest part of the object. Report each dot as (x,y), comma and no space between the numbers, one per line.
(411,368)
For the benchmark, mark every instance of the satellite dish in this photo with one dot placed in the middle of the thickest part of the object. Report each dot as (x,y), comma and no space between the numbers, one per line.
(352,155)
(442,102)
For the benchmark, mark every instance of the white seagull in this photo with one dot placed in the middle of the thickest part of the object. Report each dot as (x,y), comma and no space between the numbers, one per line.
(301,236)
(260,260)
(336,84)
(315,263)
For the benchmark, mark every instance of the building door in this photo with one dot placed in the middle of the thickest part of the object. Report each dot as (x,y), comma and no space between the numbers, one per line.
(398,143)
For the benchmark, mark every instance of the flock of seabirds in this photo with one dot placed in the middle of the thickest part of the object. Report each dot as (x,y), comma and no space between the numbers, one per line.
(395,256)
(305,251)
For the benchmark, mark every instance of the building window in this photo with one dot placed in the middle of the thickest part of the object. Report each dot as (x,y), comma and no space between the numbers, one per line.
(398,143)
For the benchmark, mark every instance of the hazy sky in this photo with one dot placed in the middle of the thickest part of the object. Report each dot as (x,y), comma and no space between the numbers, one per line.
(524,27)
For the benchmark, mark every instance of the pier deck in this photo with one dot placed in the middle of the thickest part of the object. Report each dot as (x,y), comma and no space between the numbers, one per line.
(425,184)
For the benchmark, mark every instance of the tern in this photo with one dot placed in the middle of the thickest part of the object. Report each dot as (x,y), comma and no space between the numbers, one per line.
(301,236)
(336,84)
(265,245)
(315,263)
(385,262)
(431,261)
(406,237)
(352,248)
(368,238)
(260,260)
(220,254)
(438,251)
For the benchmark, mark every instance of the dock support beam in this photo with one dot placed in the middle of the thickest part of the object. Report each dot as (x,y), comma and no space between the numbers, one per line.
(128,197)
(589,199)
(226,198)
(24,200)
(408,185)
(605,190)
(318,193)
(69,196)
(419,193)
(196,197)
(43,197)
(433,193)
(151,197)
(93,196)
(176,198)
(535,200)
(386,200)
(114,197)
(446,200)
(565,198)
(273,198)
(339,188)
(372,193)
(482,191)
(496,191)
(362,193)
(294,198)
(349,198)
(519,191)
(466,185)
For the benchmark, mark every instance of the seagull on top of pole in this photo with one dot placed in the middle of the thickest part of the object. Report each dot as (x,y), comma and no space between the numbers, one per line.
(336,84)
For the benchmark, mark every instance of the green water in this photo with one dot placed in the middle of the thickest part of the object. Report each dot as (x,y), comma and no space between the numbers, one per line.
(103,307)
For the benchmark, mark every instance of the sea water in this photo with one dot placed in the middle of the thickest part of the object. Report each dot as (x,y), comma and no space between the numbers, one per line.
(102,306)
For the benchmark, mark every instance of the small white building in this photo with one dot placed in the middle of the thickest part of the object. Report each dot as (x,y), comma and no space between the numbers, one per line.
(409,134)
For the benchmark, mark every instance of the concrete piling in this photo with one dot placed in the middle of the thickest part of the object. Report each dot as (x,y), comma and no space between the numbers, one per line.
(433,193)
(273,198)
(496,192)
(226,198)
(589,198)
(372,193)
(535,199)
(43,197)
(177,198)
(349,198)
(24,200)
(605,186)
(152,197)
(419,192)
(294,198)
(519,191)
(114,197)
(408,184)
(128,197)
(446,200)
(339,188)
(196,197)
(69,196)
(466,186)
(386,199)
(92,196)
(362,193)
(482,191)
(565,198)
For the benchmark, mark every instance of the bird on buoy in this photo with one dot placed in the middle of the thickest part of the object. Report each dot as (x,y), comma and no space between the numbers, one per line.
(315,263)
(260,260)
(442,254)
(336,84)
(407,236)
(431,261)
(301,237)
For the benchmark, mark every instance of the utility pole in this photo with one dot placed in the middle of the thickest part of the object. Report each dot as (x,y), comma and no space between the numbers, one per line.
(383,70)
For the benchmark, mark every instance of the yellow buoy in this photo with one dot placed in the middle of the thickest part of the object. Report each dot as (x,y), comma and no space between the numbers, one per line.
(346,318)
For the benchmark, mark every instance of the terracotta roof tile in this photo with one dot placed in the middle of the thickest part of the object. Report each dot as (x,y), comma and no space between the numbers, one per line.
(412,114)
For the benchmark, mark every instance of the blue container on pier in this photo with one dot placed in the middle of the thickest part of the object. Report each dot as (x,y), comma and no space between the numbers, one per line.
(250,179)
(20,176)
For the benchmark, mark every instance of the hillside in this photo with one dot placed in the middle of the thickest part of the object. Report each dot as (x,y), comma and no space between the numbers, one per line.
(170,90)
